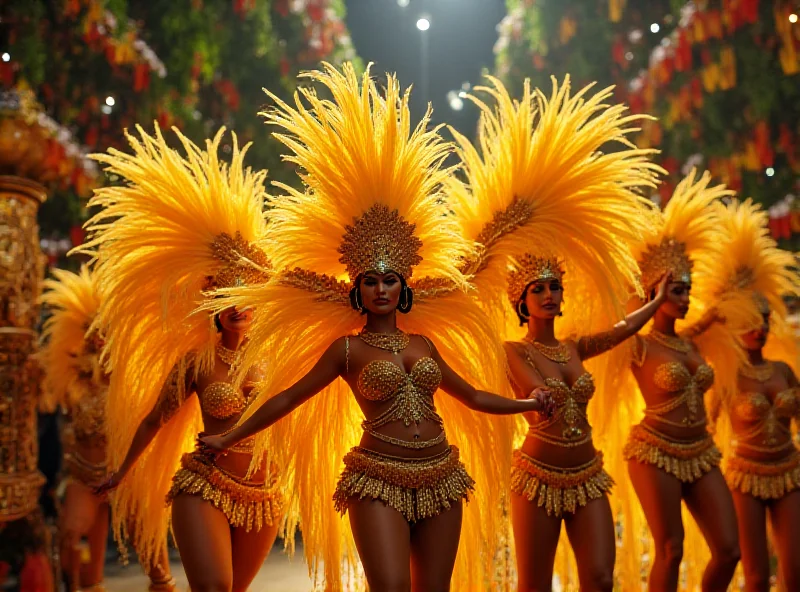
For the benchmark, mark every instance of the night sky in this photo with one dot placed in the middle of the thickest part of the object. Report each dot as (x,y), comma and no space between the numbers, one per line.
(461,38)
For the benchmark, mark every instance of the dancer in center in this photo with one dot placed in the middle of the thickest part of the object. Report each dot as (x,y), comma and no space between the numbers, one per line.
(373,211)
(545,202)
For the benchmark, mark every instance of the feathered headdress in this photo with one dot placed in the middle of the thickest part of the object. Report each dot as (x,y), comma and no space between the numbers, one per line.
(373,201)
(179,225)
(543,200)
(68,362)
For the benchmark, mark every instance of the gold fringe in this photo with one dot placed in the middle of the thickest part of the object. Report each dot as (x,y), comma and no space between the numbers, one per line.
(244,503)
(559,489)
(418,488)
(688,461)
(762,479)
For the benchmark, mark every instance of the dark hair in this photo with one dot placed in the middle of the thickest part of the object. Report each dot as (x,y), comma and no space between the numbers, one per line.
(521,309)
(217,323)
(406,296)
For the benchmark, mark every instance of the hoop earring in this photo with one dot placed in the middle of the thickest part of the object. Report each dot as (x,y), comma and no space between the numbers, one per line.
(522,315)
(359,304)
(404,305)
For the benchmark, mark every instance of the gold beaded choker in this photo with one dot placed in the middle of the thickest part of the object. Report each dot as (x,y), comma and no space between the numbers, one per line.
(393,342)
(761,373)
(674,342)
(226,355)
(555,353)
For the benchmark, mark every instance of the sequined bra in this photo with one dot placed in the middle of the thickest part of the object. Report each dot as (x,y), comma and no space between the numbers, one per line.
(411,395)
(571,403)
(765,415)
(221,400)
(88,416)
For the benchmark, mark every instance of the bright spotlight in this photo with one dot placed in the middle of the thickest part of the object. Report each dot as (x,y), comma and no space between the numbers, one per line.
(403,3)
(110,101)
(655,28)
(456,103)
(106,110)
(792,19)
(770,172)
(6,56)
(423,24)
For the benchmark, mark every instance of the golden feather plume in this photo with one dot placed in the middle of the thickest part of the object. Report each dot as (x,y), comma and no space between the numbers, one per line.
(73,300)
(175,227)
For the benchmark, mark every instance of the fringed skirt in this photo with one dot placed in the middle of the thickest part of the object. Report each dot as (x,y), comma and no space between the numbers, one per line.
(245,503)
(688,461)
(766,481)
(559,489)
(418,488)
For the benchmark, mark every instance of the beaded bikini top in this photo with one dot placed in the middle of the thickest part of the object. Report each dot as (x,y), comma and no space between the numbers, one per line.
(767,418)
(411,395)
(676,378)
(571,403)
(221,400)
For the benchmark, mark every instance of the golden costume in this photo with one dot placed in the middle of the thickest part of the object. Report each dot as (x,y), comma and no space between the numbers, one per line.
(751,278)
(681,242)
(178,227)
(373,201)
(73,376)
(544,202)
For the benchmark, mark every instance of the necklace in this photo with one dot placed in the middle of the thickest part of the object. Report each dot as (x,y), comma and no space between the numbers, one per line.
(393,342)
(761,373)
(226,355)
(679,344)
(555,353)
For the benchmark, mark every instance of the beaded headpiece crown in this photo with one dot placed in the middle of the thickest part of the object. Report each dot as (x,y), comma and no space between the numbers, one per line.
(530,268)
(380,240)
(242,262)
(669,256)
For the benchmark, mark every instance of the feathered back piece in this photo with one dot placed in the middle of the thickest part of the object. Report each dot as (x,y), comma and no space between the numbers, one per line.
(373,202)
(73,301)
(544,201)
(179,225)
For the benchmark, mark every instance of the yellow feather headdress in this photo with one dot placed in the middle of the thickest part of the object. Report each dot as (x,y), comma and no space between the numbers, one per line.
(372,201)
(179,224)
(73,300)
(544,199)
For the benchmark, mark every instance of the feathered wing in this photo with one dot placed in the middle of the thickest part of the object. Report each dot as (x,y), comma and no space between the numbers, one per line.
(353,150)
(539,182)
(73,300)
(153,239)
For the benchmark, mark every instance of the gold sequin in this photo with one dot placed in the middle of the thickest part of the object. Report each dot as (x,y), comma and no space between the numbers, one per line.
(246,504)
(559,489)
(674,377)
(380,240)
(530,268)
(762,479)
(221,400)
(243,262)
(669,256)
(688,461)
(88,417)
(418,488)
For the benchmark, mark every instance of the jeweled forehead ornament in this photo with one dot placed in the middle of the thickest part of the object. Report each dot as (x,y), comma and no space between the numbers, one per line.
(530,268)
(242,262)
(380,240)
(669,256)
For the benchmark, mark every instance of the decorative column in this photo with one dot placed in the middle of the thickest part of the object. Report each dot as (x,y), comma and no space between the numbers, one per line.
(21,275)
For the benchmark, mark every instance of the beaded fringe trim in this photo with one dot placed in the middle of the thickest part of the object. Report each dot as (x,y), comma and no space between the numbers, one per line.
(559,490)
(686,461)
(417,488)
(244,503)
(761,479)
